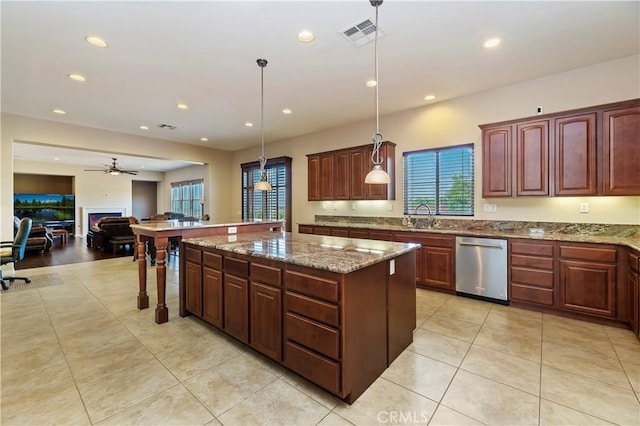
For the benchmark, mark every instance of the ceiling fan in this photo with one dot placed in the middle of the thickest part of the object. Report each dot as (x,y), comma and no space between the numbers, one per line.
(113,169)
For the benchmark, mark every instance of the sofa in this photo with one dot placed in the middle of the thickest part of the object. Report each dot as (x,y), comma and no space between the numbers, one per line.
(40,238)
(112,232)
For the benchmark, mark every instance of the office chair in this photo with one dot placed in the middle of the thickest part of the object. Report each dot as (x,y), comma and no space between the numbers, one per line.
(13,251)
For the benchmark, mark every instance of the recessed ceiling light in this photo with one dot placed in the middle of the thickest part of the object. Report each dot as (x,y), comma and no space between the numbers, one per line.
(142,166)
(491,43)
(429,97)
(58,111)
(286,111)
(371,83)
(144,127)
(96,41)
(204,139)
(248,124)
(306,36)
(76,77)
(182,106)
(56,158)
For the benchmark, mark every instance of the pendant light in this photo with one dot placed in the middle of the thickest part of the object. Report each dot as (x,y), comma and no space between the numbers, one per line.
(377,174)
(262,184)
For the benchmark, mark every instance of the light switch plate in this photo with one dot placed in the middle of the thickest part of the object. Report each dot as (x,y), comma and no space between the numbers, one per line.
(232,230)
(392,266)
(584,207)
(490,207)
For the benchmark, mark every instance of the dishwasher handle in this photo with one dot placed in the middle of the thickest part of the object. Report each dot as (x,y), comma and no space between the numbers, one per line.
(464,243)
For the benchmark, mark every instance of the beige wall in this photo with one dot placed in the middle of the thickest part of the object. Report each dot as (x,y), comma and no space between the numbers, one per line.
(456,122)
(96,190)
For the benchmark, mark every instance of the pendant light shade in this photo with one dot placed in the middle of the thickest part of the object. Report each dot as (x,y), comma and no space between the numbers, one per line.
(377,175)
(262,184)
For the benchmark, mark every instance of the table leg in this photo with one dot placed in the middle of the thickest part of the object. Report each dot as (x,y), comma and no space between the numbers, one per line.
(162,312)
(143,297)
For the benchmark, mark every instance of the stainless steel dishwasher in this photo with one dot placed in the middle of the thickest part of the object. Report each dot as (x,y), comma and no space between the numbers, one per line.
(481,268)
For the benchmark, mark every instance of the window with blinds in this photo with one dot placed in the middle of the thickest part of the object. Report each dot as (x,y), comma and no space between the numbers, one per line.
(267,205)
(187,197)
(441,178)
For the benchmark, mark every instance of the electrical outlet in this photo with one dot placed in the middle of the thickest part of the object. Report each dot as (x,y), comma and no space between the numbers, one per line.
(584,207)
(390,207)
(353,206)
(490,207)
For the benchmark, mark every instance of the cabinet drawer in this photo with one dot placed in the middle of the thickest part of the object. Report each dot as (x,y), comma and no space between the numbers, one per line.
(524,293)
(236,266)
(532,277)
(212,260)
(425,239)
(358,233)
(312,308)
(532,249)
(594,253)
(316,336)
(532,262)
(312,286)
(322,230)
(339,232)
(266,274)
(304,229)
(380,235)
(193,255)
(318,369)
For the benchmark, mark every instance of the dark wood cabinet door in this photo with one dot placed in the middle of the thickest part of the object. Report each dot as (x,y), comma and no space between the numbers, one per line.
(357,161)
(621,151)
(532,158)
(193,287)
(575,155)
(305,229)
(341,175)
(212,303)
(313,172)
(496,162)
(236,304)
(409,238)
(438,267)
(326,176)
(633,302)
(588,287)
(266,320)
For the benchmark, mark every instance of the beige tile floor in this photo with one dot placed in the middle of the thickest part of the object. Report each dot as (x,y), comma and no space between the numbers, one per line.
(81,353)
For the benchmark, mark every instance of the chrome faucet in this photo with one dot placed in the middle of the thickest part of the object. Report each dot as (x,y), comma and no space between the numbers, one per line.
(430,218)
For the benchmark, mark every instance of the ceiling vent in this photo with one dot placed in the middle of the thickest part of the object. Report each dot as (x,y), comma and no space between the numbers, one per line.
(167,126)
(361,33)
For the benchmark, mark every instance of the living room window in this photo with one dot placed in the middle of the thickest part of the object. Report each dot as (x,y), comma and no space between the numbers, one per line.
(187,197)
(441,178)
(267,205)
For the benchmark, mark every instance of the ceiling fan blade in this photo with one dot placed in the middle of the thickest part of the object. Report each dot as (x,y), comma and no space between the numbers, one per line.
(129,172)
(95,170)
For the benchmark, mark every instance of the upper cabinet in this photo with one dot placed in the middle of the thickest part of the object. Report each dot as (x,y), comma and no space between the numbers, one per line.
(591,151)
(621,151)
(339,175)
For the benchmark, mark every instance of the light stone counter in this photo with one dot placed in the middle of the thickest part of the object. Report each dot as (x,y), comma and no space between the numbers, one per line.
(336,254)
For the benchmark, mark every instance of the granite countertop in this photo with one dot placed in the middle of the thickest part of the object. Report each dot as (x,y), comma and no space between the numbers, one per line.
(175,224)
(336,254)
(625,235)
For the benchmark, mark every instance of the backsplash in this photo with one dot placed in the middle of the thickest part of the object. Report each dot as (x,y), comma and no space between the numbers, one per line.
(491,225)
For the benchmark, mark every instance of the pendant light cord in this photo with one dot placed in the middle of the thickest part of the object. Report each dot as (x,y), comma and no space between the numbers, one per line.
(377,137)
(263,161)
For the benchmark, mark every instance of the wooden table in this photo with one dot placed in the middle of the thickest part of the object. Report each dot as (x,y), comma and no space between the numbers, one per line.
(160,232)
(62,233)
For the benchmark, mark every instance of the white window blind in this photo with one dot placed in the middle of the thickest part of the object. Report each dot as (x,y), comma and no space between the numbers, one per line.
(187,197)
(441,178)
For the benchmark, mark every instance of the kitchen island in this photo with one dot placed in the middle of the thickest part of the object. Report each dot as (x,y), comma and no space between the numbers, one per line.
(335,310)
(161,231)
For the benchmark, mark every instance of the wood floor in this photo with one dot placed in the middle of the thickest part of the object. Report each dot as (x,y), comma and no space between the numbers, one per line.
(74,251)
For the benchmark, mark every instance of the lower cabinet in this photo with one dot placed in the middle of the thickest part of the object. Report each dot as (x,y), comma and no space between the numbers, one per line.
(531,272)
(587,279)
(633,292)
(212,290)
(236,307)
(194,288)
(266,319)
(435,260)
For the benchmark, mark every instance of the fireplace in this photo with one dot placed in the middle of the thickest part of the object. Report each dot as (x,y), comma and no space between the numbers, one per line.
(91,215)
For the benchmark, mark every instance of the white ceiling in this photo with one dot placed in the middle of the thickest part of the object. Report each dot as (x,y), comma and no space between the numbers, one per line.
(204,54)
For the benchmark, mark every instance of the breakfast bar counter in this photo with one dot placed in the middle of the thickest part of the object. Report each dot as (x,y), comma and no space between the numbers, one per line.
(161,231)
(335,310)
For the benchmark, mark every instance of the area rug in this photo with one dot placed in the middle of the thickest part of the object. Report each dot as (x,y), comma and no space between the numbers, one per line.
(37,281)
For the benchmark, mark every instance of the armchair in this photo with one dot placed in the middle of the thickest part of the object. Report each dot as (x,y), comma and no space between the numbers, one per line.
(13,251)
(40,237)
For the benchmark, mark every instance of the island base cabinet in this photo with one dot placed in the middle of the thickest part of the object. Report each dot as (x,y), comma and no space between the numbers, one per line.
(266,320)
(401,318)
(633,292)
(236,309)
(193,288)
(212,296)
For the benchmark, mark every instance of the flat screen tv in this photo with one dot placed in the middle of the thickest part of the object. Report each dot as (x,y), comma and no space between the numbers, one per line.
(45,208)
